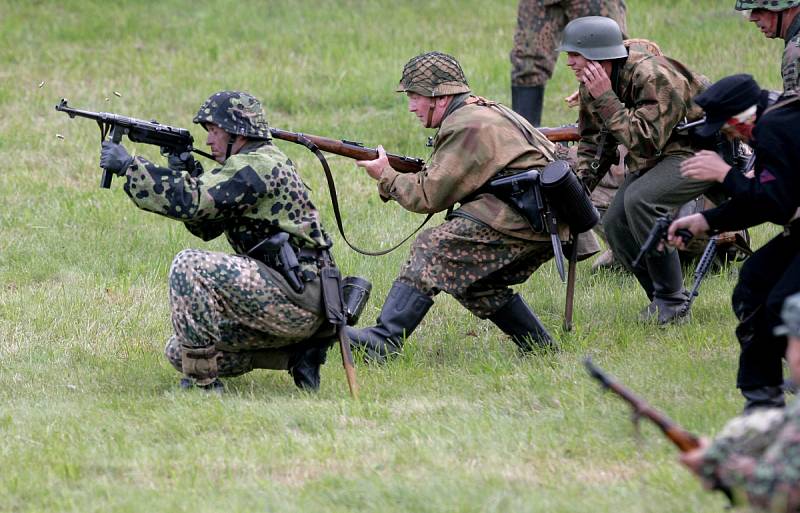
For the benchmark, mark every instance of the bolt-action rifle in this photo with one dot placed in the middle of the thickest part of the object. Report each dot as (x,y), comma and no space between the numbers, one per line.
(171,140)
(680,437)
(400,163)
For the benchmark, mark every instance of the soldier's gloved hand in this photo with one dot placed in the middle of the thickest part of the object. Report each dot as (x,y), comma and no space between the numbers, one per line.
(184,162)
(115,158)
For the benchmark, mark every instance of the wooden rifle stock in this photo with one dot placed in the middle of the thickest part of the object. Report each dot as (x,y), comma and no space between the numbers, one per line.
(400,163)
(351,149)
(684,440)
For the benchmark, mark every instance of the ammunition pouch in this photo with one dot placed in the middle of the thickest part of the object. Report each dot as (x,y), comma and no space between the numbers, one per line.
(200,364)
(568,197)
(276,252)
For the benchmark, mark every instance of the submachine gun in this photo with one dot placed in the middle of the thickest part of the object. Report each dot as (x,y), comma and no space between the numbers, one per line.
(657,234)
(171,140)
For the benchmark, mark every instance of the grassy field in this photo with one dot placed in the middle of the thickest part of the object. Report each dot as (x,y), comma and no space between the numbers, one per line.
(90,415)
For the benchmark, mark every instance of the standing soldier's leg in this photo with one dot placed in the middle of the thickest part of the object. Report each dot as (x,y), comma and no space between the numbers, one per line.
(534,55)
(223,305)
(767,277)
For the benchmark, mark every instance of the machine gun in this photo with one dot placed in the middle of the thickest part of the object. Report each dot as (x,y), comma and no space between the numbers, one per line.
(171,140)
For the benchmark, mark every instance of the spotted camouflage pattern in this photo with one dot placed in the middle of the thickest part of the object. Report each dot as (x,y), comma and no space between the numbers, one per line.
(236,305)
(540,24)
(472,262)
(653,95)
(235,112)
(257,192)
(758,457)
(770,5)
(433,74)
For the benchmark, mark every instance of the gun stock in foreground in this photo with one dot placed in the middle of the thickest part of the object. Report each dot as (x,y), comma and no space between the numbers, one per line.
(681,438)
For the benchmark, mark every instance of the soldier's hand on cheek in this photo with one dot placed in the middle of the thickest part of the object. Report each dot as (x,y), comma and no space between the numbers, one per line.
(596,79)
(375,167)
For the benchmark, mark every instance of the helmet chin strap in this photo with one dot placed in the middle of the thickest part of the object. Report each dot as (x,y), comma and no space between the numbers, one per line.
(231,140)
(431,108)
(779,27)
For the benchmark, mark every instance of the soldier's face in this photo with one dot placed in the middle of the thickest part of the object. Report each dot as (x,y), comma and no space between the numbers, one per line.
(429,111)
(767,21)
(218,141)
(577,63)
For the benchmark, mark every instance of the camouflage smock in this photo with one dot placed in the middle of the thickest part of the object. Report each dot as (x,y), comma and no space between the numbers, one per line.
(651,96)
(790,66)
(475,142)
(256,193)
(758,457)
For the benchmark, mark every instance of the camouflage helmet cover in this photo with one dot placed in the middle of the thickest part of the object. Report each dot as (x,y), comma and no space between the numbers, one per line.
(433,74)
(235,112)
(770,5)
(596,38)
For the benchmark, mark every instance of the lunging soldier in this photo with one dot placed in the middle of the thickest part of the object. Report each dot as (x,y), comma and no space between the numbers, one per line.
(484,246)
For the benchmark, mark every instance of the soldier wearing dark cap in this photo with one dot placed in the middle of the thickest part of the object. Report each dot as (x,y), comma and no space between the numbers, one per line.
(757,456)
(737,106)
(540,24)
(779,18)
(633,98)
(484,246)
(234,313)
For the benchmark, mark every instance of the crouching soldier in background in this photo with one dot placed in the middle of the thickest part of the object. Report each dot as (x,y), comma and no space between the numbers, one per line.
(254,309)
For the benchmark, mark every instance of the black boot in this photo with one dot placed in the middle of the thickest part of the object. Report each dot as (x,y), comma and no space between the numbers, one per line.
(669,296)
(402,312)
(527,102)
(304,364)
(763,397)
(518,321)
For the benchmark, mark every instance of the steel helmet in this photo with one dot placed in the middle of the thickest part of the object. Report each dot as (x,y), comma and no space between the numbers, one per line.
(433,74)
(235,112)
(597,38)
(770,5)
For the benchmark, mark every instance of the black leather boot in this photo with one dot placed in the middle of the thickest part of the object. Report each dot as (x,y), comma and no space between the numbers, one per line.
(518,321)
(305,362)
(669,295)
(527,101)
(763,397)
(403,310)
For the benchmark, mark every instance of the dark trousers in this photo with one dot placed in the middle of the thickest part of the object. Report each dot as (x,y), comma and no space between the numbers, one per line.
(770,275)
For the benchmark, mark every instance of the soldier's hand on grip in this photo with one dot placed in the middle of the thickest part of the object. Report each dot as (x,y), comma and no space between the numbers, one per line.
(695,224)
(115,158)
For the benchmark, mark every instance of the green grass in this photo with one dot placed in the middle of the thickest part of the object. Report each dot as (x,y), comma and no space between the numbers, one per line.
(90,415)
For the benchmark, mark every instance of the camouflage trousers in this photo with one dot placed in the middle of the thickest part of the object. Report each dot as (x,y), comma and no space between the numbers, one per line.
(244,309)
(539,27)
(473,263)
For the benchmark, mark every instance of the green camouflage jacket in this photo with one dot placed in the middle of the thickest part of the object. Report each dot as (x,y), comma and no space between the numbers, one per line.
(651,96)
(758,457)
(256,193)
(474,143)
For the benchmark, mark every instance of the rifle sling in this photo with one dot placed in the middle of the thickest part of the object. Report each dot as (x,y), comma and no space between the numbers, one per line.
(335,203)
